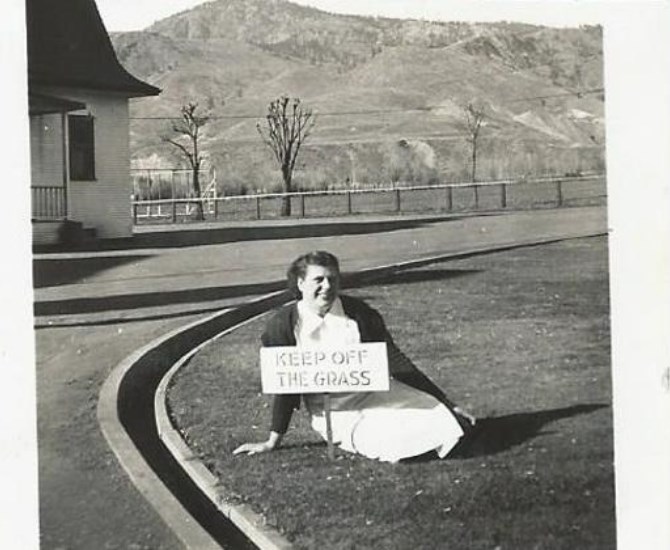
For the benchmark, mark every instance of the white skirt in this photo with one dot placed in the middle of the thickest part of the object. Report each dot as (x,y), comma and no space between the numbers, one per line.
(389,426)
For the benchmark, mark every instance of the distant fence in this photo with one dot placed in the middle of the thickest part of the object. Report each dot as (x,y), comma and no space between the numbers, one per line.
(164,183)
(453,197)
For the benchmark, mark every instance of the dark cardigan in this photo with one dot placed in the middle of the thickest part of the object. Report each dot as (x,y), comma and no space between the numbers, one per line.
(279,331)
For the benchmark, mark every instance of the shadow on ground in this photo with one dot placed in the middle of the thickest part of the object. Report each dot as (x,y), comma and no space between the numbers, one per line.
(209,294)
(152,299)
(497,434)
(401,277)
(140,315)
(253,231)
(59,271)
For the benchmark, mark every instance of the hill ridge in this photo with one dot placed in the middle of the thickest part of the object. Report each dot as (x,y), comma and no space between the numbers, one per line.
(234,56)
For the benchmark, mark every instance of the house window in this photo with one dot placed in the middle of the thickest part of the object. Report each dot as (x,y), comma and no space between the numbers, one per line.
(82,147)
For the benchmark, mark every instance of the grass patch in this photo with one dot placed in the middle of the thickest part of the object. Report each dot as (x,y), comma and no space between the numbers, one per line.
(520,338)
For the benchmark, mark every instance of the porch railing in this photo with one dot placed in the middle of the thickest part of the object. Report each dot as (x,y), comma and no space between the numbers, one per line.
(48,203)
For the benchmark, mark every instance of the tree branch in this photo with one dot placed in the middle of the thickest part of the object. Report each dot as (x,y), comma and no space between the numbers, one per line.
(183,149)
(287,126)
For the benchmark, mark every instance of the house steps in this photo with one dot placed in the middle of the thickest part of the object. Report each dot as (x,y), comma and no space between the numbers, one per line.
(65,233)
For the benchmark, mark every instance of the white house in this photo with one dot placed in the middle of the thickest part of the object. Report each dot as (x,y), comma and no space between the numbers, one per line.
(79,134)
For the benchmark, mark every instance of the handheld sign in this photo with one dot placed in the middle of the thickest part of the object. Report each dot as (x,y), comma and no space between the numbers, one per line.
(349,368)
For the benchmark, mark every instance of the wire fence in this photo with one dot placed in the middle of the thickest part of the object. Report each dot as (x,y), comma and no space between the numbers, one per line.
(518,194)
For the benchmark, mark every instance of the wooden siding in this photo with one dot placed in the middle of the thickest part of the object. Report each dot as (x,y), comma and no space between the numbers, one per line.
(46,151)
(104,203)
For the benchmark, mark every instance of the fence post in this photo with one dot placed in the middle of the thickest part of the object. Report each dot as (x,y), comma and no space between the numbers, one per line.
(216,208)
(302,205)
(397,199)
(134,213)
(559,192)
(174,210)
(160,196)
(258,208)
(349,202)
(476,188)
(503,195)
(450,199)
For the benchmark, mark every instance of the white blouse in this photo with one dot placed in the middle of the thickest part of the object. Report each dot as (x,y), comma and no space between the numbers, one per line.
(334,329)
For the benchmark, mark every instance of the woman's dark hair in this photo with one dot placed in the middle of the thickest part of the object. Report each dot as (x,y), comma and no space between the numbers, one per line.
(298,268)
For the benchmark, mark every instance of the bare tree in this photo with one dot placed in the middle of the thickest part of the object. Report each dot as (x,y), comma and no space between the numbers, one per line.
(474,118)
(187,140)
(289,124)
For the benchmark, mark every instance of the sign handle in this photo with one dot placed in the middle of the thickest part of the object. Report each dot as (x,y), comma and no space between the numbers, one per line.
(329,426)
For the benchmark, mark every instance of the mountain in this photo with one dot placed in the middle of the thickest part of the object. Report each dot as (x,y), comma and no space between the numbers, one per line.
(388,93)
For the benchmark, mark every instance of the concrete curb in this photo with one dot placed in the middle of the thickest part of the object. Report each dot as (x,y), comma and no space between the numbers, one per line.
(253,525)
(148,483)
(189,531)
(141,474)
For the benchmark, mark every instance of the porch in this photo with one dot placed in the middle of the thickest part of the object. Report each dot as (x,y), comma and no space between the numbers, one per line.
(50,178)
(48,202)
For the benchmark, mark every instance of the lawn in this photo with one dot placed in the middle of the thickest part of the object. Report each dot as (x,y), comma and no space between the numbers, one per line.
(520,338)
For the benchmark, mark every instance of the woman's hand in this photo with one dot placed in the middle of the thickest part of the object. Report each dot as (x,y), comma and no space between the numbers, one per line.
(253,448)
(262,447)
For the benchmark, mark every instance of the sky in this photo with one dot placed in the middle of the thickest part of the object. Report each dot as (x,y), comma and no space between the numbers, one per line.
(126,15)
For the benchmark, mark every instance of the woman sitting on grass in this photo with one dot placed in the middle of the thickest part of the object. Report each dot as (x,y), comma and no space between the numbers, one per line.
(414,417)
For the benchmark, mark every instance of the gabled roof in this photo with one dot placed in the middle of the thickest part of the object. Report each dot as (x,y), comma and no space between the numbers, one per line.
(68,45)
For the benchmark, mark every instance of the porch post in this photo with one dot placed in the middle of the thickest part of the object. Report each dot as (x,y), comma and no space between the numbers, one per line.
(63,116)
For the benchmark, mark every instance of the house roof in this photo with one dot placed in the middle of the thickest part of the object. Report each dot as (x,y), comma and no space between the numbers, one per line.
(68,45)
(42,104)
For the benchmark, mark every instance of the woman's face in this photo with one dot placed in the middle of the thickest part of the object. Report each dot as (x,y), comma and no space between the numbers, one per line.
(319,287)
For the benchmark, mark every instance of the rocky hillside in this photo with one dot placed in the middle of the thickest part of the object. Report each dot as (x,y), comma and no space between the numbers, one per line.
(385,91)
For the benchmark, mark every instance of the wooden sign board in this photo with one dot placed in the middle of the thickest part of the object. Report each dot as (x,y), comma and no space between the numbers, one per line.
(350,368)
